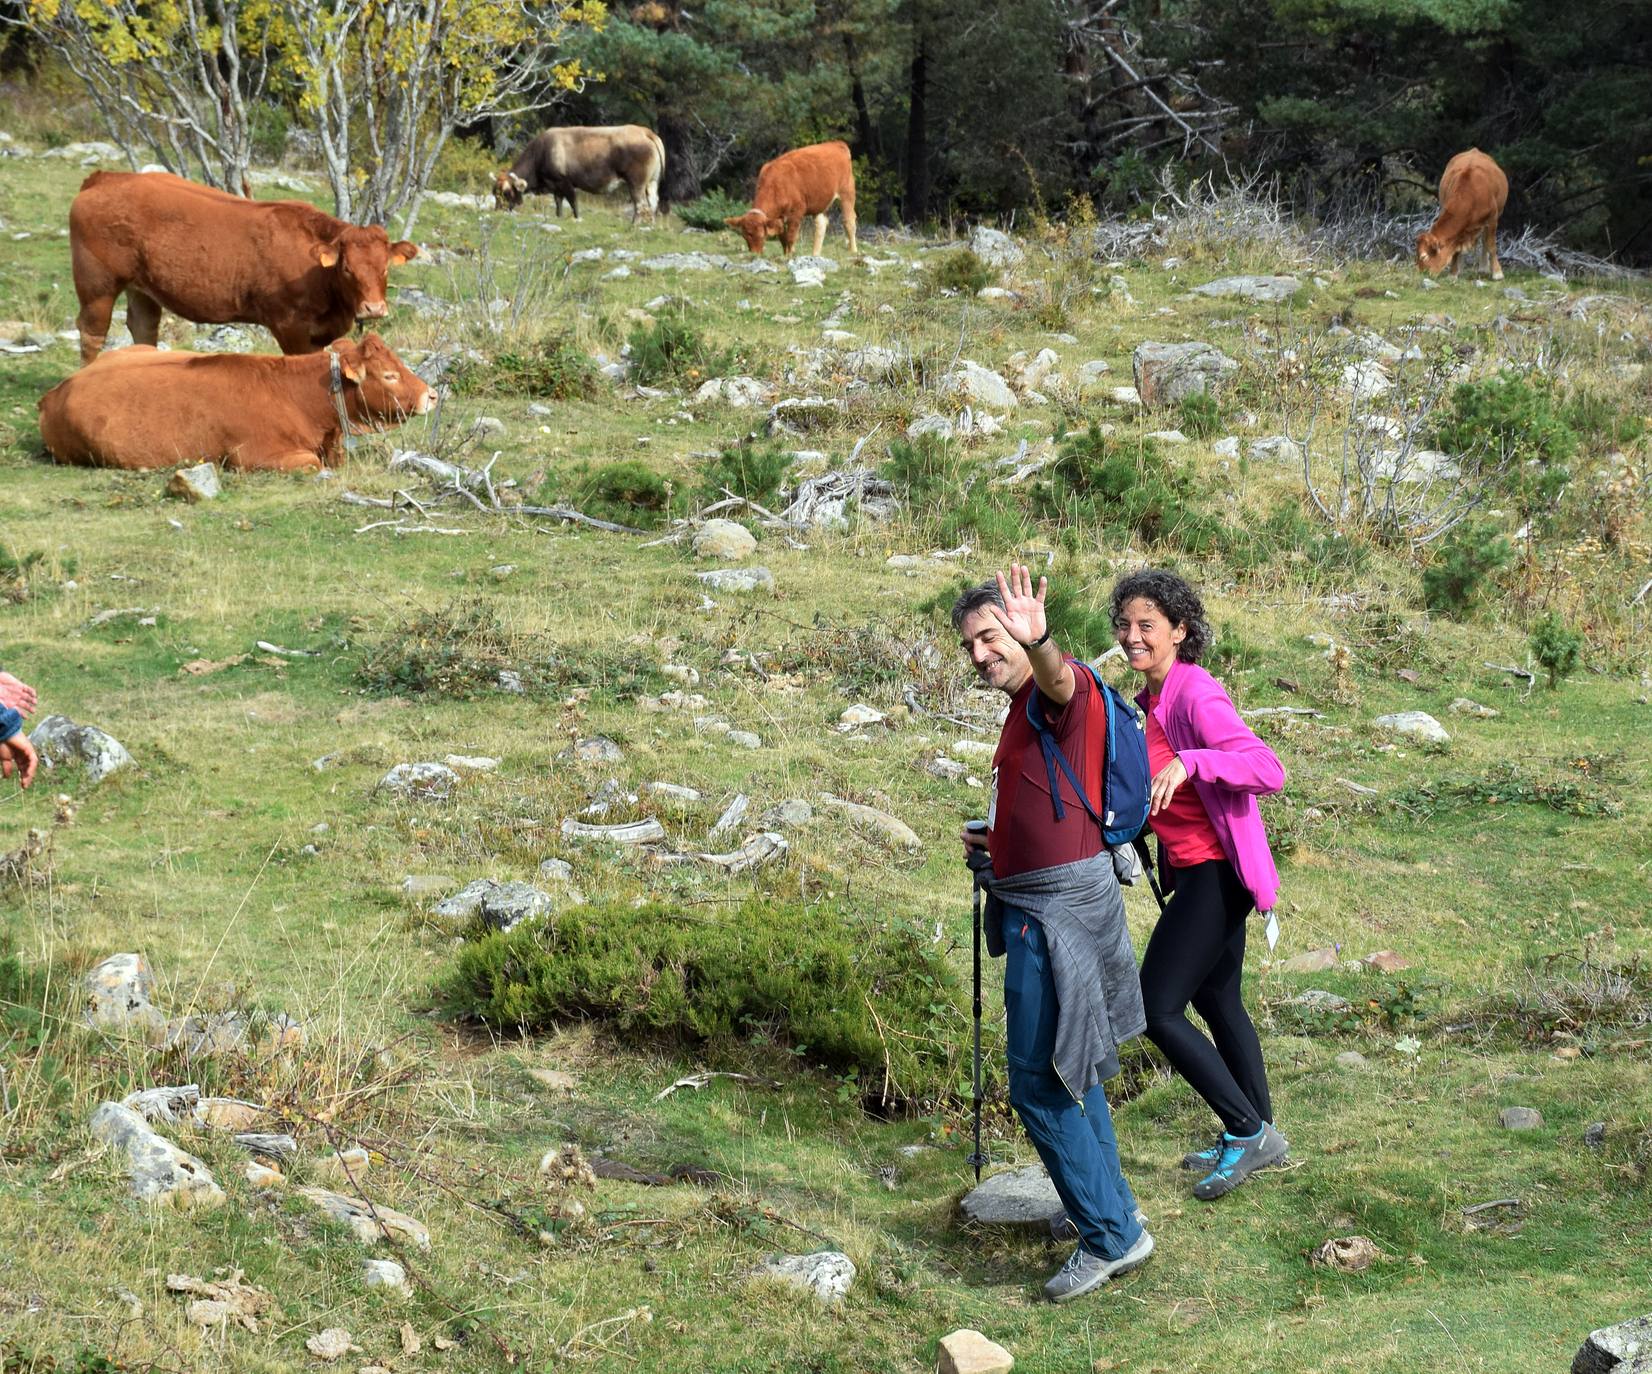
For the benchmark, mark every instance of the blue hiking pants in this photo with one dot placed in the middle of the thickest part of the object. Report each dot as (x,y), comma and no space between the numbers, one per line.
(1075,1142)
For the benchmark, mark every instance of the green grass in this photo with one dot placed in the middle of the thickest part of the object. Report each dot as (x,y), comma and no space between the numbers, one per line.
(198,858)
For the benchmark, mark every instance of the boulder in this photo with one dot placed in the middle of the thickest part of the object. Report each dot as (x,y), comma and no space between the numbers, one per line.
(686,262)
(61,744)
(499,906)
(809,262)
(420,781)
(118,993)
(979,385)
(788,814)
(969,1352)
(873,363)
(161,1173)
(1279,449)
(1520,1119)
(1311,961)
(1017,1197)
(370,1224)
(1463,706)
(994,247)
(1366,378)
(938,425)
(198,483)
(743,393)
(1417,724)
(737,580)
(1260,289)
(1622,1349)
(1167,372)
(825,1273)
(725,539)
(384,1273)
(1090,373)
(598,749)
(649,831)
(853,717)
(879,824)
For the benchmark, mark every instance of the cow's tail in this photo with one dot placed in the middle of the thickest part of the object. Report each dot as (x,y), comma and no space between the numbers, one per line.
(656,177)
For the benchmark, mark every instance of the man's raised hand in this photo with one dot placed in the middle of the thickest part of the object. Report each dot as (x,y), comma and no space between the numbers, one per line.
(1023,613)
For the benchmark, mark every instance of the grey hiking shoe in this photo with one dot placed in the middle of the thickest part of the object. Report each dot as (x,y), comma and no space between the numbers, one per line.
(1240,1159)
(1062,1228)
(1084,1273)
(1203,1161)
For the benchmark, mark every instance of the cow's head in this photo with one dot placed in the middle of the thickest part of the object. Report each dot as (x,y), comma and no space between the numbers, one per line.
(379,388)
(360,260)
(1433,253)
(755,227)
(508,190)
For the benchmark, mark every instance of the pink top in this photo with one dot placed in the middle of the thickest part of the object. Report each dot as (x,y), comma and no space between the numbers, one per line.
(1228,766)
(1183,827)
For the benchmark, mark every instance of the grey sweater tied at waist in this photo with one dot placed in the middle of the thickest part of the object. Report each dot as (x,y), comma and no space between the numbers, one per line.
(1098,992)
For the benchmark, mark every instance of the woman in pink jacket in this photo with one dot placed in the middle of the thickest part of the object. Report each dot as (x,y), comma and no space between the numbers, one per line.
(1208,769)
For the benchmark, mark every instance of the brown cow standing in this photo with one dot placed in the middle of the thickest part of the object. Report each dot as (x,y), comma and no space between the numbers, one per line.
(1473,192)
(142,408)
(598,159)
(218,259)
(794,186)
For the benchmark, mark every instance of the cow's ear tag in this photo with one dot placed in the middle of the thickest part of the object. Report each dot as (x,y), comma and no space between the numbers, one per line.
(327,255)
(354,371)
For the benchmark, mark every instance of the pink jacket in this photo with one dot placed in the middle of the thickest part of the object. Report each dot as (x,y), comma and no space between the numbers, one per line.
(1229,768)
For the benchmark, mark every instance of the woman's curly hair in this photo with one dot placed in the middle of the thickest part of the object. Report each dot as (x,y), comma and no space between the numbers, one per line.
(1175,597)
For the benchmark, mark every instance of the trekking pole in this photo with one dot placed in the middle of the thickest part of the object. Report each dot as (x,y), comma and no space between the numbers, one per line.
(976,1157)
(1146,857)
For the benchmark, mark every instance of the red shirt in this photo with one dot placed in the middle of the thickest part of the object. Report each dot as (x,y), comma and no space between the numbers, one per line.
(1183,827)
(1023,832)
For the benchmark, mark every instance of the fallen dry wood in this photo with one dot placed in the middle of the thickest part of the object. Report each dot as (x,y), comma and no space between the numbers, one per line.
(699,1080)
(568,515)
(649,831)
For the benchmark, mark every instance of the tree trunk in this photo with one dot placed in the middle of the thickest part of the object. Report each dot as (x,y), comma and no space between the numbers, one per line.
(681,182)
(916,203)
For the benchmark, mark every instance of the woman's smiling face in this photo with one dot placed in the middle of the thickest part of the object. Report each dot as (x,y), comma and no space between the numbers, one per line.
(1148,638)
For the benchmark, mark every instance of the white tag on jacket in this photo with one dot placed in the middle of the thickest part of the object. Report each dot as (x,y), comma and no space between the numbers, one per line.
(1271,930)
(992,802)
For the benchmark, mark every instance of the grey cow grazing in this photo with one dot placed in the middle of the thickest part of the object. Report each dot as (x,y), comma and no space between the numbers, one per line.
(559,162)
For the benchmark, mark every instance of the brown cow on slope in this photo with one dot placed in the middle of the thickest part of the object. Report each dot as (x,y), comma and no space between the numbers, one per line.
(598,159)
(142,408)
(1473,192)
(794,186)
(217,259)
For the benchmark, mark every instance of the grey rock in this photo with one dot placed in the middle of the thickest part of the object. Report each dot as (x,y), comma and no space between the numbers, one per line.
(594,749)
(1462,706)
(648,831)
(808,261)
(672,792)
(981,385)
(1090,373)
(370,1224)
(686,262)
(199,483)
(1520,1119)
(507,905)
(511,681)
(1165,373)
(994,247)
(1351,1059)
(1621,1349)
(1317,999)
(164,1104)
(938,425)
(799,414)
(827,1274)
(1594,1134)
(788,814)
(270,1144)
(737,580)
(873,363)
(1260,289)
(161,1173)
(118,993)
(487,427)
(1367,379)
(967,1351)
(420,781)
(1018,1197)
(383,1273)
(725,539)
(1417,724)
(61,744)
(203,1037)
(742,393)
(223,338)
(1279,448)
(745,739)
(881,825)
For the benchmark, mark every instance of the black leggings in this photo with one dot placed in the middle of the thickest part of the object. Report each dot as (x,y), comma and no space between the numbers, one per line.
(1196,954)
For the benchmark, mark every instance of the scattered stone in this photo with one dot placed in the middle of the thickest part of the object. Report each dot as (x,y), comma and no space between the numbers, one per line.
(220,1300)
(824,501)
(510,681)
(937,425)
(978,384)
(745,739)
(853,717)
(737,580)
(61,743)
(873,363)
(1318,1000)
(743,393)
(420,781)
(725,539)
(343,1167)
(198,483)
(331,1344)
(1366,378)
(940,766)
(1311,961)
(1462,706)
(1621,1349)
(969,1352)
(1386,961)
(825,1273)
(1418,724)
(1227,447)
(202,1037)
(1346,1254)
(383,1273)
(118,993)
(1167,372)
(994,247)
(227,1113)
(164,1104)
(264,1175)
(1168,436)
(1520,1119)
(788,814)
(1594,1134)
(760,849)
(161,1173)
(1352,1059)
(1260,289)
(1090,373)
(671,791)
(1017,1197)
(889,829)
(499,906)
(973,748)
(595,749)
(649,831)
(360,1218)
(1279,449)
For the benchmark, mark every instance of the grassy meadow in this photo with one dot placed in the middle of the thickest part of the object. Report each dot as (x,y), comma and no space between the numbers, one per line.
(1508,868)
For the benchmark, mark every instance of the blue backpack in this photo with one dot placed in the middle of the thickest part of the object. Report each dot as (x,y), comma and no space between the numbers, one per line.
(1125,780)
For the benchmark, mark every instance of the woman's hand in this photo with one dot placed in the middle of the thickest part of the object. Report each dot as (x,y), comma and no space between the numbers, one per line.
(1023,613)
(1165,783)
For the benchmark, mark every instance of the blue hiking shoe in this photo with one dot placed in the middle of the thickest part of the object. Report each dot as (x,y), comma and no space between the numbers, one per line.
(1203,1161)
(1240,1159)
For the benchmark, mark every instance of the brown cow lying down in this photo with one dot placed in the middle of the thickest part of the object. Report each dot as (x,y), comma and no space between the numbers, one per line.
(1473,192)
(141,408)
(219,259)
(794,186)
(596,158)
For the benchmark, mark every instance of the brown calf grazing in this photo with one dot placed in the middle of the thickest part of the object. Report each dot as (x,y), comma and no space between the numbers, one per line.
(142,408)
(1473,192)
(794,186)
(214,258)
(559,162)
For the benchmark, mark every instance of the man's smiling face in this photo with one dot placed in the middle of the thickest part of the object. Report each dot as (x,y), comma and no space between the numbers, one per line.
(999,661)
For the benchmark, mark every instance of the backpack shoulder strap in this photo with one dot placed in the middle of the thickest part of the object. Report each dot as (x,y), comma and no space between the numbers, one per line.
(1055,758)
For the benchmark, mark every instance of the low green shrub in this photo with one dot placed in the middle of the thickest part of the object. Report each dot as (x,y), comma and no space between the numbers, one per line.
(1288,531)
(457,649)
(923,469)
(672,349)
(553,368)
(1127,486)
(1199,416)
(626,491)
(754,471)
(847,992)
(1468,559)
(961,270)
(983,519)
(1507,416)
(709,211)
(1556,647)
